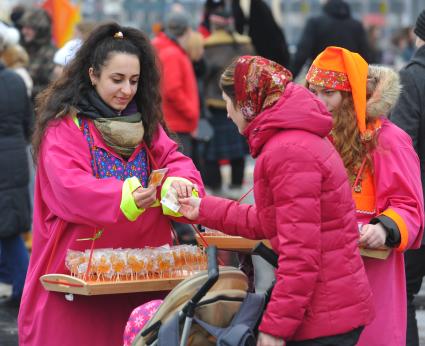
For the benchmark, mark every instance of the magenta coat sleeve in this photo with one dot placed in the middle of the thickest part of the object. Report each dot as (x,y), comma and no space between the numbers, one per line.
(296,189)
(295,186)
(69,185)
(398,184)
(230,217)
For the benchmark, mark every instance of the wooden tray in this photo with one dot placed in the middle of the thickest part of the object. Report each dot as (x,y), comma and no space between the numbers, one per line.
(231,243)
(246,245)
(375,253)
(70,284)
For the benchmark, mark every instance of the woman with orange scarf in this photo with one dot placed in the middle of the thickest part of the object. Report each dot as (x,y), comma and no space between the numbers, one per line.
(383,169)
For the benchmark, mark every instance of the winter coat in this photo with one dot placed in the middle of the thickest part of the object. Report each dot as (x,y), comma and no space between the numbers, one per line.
(409,111)
(179,90)
(221,48)
(335,27)
(398,201)
(303,205)
(40,49)
(16,58)
(261,28)
(16,118)
(67,190)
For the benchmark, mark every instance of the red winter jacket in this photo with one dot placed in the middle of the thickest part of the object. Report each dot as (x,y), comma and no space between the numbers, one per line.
(179,91)
(303,204)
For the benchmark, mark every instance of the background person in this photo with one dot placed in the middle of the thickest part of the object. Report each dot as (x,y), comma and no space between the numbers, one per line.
(334,27)
(409,114)
(16,117)
(66,53)
(383,170)
(37,40)
(221,47)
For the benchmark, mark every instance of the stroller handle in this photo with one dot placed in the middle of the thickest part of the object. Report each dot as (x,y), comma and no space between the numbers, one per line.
(267,254)
(189,309)
(212,263)
(213,274)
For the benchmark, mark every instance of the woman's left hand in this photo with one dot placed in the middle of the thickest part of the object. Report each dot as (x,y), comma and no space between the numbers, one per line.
(373,236)
(269,340)
(183,188)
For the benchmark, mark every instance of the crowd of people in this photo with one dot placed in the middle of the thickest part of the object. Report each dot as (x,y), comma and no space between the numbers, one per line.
(338,150)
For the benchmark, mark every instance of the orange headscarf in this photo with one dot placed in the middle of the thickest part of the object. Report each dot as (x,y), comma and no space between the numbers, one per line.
(338,68)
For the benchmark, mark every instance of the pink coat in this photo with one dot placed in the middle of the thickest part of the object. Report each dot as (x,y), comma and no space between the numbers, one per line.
(66,189)
(303,204)
(397,187)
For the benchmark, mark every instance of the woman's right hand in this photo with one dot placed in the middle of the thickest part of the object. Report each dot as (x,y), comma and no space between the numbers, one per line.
(373,236)
(144,197)
(269,340)
(189,207)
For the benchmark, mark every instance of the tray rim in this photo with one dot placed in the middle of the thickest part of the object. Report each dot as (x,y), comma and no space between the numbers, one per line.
(69,284)
(232,243)
(240,244)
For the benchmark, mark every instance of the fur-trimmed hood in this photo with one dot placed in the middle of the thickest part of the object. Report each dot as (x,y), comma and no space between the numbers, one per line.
(384,89)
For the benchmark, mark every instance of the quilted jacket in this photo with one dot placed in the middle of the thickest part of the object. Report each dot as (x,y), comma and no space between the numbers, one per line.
(303,205)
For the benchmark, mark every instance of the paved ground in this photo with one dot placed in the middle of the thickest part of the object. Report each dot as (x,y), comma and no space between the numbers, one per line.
(8,327)
(9,330)
(420,316)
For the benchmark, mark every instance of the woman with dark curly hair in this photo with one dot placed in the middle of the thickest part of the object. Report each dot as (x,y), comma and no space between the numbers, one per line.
(99,134)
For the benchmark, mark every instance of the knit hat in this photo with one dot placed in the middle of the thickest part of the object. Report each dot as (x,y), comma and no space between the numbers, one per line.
(40,21)
(176,24)
(8,36)
(339,69)
(420,26)
(66,53)
(36,18)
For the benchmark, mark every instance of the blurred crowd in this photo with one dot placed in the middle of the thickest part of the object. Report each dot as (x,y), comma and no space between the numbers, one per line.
(228,29)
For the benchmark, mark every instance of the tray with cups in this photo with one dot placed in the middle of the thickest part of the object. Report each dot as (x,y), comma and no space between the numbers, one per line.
(113,271)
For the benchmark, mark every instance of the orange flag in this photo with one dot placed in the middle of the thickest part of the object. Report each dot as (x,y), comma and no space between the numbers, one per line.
(64,17)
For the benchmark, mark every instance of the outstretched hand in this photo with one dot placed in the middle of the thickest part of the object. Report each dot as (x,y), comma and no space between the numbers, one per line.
(373,236)
(189,207)
(144,197)
(183,188)
(269,340)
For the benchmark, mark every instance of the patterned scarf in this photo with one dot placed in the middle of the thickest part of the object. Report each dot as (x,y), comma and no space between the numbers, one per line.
(259,83)
(122,133)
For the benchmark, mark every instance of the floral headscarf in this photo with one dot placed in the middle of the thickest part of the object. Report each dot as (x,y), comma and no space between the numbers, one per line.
(259,83)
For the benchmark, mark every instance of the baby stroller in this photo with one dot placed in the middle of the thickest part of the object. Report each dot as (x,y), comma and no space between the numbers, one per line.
(209,308)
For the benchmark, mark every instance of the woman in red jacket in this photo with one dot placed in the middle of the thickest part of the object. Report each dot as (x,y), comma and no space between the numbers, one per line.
(303,205)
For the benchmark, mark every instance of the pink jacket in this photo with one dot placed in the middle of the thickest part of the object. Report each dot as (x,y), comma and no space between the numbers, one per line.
(179,90)
(397,196)
(303,204)
(66,189)
(398,188)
